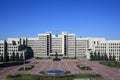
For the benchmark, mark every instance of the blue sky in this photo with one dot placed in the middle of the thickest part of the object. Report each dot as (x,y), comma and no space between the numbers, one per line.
(87,18)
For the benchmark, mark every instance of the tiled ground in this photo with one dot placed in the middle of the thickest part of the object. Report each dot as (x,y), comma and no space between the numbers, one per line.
(70,65)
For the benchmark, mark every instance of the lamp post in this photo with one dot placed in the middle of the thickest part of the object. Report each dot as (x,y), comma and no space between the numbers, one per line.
(89,51)
(87,54)
(54,76)
(24,57)
(86,61)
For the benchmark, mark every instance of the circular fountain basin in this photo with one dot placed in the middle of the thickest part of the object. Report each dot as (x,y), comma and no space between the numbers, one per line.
(54,71)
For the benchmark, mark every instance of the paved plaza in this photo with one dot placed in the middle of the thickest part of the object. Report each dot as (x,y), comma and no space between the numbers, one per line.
(69,65)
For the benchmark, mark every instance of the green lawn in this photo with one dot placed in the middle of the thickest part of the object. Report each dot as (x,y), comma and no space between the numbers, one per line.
(111,64)
(22,77)
(56,78)
(87,76)
(27,67)
(32,77)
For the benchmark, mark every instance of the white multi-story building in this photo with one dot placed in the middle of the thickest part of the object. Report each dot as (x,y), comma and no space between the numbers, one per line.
(82,46)
(11,48)
(56,44)
(34,44)
(14,44)
(66,45)
(41,46)
(3,46)
(48,45)
(71,45)
(109,47)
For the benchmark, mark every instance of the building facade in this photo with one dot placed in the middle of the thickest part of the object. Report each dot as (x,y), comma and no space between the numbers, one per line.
(65,45)
(13,49)
(3,50)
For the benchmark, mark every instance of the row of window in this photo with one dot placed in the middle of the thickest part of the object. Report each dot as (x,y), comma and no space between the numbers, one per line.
(81,46)
(2,47)
(1,44)
(110,44)
(12,50)
(109,47)
(37,45)
(12,47)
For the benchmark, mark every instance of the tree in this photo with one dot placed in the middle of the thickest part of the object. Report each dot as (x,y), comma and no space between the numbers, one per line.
(17,57)
(102,57)
(7,57)
(113,58)
(30,51)
(98,56)
(1,58)
(21,57)
(13,56)
(4,59)
(91,56)
(110,57)
(105,57)
(95,56)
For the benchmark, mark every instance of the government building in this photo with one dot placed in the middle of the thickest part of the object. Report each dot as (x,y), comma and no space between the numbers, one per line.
(65,45)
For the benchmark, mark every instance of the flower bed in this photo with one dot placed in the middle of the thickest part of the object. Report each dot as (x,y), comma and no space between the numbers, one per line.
(27,67)
(84,67)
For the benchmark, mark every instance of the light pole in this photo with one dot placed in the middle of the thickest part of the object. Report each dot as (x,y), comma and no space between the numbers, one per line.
(86,59)
(86,62)
(87,56)
(54,75)
(24,57)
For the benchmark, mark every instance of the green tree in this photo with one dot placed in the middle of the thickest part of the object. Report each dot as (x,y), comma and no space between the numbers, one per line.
(113,58)
(91,56)
(110,57)
(13,56)
(21,57)
(95,56)
(98,56)
(1,58)
(4,59)
(7,57)
(17,57)
(105,57)
(102,57)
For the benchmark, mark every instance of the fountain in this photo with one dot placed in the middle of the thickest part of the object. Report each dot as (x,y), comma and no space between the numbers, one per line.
(54,71)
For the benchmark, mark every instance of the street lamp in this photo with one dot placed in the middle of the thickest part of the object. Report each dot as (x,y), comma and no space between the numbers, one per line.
(24,57)
(86,62)
(89,51)
(87,56)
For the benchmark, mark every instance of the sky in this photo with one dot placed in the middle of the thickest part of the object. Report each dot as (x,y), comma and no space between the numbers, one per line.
(85,18)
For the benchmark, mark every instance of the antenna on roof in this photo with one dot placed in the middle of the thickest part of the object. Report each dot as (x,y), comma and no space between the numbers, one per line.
(80,36)
(56,33)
